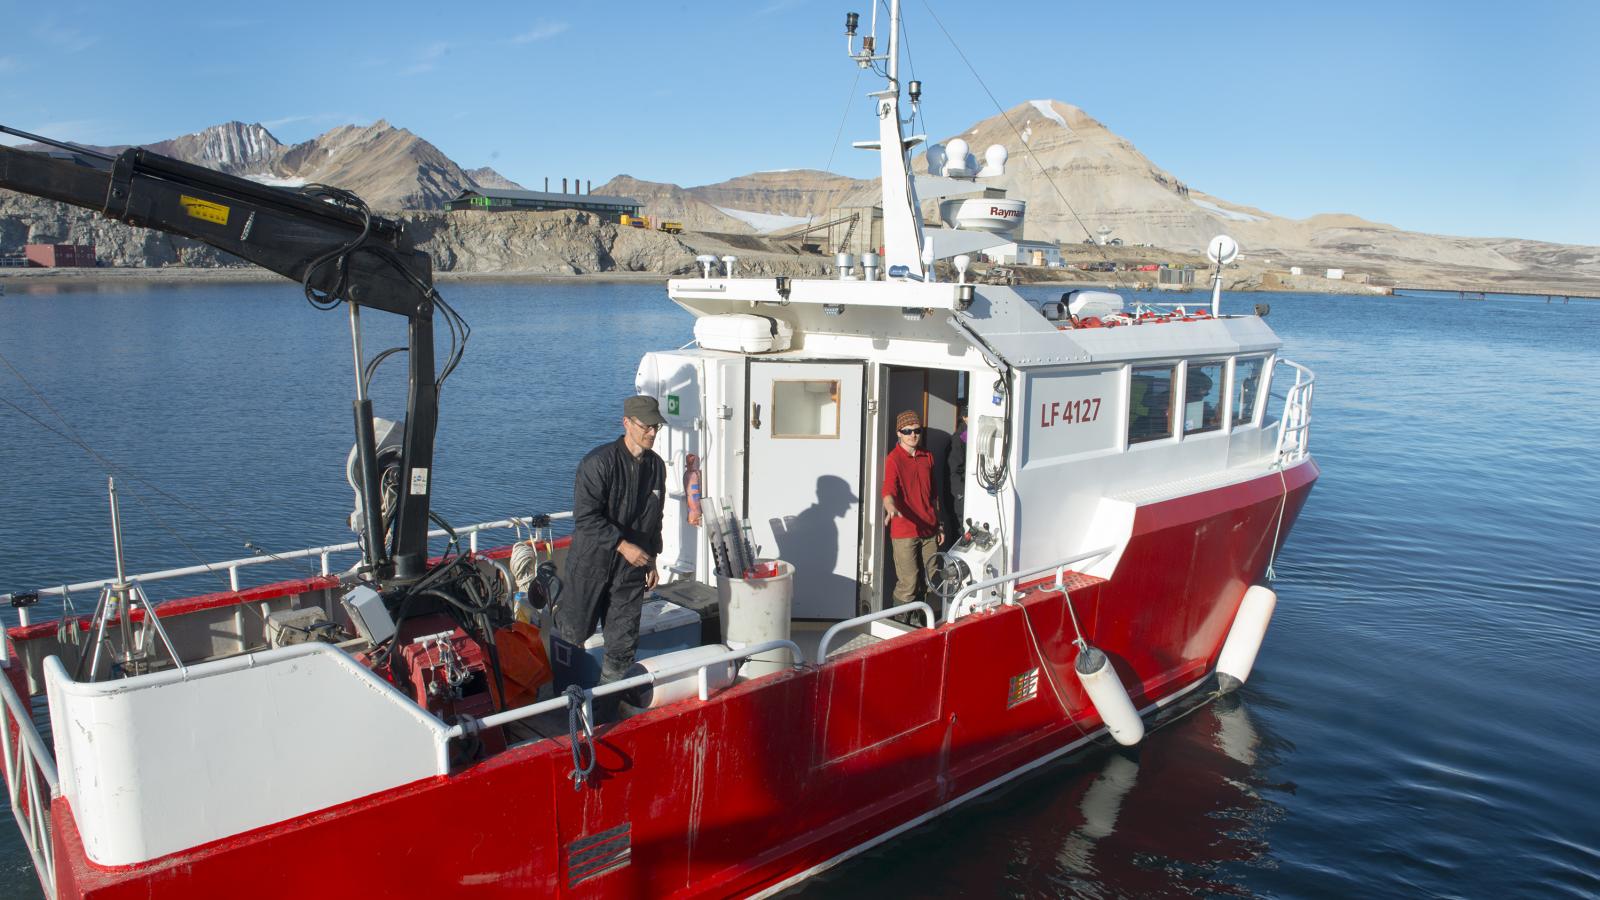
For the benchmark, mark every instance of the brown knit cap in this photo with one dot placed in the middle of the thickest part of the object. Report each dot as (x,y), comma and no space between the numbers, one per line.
(906,420)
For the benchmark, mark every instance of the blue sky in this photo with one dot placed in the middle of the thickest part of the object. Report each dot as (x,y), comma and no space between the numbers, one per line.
(1455,118)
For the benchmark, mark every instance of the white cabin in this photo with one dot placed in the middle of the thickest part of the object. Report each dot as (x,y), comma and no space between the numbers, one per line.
(1074,425)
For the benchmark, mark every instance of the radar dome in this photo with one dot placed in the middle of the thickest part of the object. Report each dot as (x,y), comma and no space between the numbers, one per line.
(957,154)
(936,159)
(996,156)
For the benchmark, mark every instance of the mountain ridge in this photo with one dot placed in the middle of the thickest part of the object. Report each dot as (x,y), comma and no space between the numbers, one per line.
(1089,174)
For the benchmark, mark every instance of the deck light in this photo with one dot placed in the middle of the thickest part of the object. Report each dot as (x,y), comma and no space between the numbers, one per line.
(833,309)
(912,313)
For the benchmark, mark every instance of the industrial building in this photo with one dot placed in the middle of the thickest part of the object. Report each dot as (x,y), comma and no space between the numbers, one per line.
(1026,253)
(499,200)
(59,256)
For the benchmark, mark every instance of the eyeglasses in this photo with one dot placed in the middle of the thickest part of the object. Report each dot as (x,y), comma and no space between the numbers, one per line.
(643,426)
(911,431)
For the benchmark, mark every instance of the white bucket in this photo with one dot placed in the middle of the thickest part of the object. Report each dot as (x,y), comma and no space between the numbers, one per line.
(756,610)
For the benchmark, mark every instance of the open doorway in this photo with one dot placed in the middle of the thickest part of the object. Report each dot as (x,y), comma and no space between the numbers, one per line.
(935,395)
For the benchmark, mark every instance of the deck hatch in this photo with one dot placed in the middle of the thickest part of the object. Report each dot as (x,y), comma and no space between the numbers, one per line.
(598,854)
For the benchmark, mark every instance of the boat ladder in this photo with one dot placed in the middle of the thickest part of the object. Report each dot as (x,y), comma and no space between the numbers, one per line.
(31,781)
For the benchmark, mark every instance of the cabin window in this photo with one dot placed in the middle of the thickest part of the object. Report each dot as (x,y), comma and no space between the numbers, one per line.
(1246,385)
(1202,395)
(805,409)
(1150,404)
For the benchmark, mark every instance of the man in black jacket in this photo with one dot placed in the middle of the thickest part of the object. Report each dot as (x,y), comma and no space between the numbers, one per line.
(616,507)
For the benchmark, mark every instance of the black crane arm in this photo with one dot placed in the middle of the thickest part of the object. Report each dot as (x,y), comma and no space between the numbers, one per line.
(326,240)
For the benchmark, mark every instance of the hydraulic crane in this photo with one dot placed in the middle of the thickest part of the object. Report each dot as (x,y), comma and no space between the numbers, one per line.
(327,240)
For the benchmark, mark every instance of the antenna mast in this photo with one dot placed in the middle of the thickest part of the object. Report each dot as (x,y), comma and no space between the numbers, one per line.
(902,216)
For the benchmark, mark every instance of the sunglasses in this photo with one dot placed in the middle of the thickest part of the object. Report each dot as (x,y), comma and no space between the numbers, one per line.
(911,431)
(643,426)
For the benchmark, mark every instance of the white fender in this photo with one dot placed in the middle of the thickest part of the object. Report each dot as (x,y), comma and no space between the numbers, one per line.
(683,685)
(1110,698)
(1244,638)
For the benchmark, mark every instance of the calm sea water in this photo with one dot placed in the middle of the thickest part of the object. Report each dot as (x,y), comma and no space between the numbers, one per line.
(1420,722)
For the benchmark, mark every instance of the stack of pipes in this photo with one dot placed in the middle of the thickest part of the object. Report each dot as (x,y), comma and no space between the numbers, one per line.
(731,546)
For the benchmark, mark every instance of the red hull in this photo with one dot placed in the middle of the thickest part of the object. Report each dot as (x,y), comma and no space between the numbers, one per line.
(771,781)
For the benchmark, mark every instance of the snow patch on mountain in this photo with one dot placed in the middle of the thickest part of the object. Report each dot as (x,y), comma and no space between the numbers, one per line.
(1049,112)
(763,222)
(1229,214)
(276,181)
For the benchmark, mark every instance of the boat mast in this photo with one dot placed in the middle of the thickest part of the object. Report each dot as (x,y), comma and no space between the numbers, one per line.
(902,219)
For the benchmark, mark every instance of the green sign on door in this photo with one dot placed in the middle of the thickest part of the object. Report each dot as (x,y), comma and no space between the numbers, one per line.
(672,404)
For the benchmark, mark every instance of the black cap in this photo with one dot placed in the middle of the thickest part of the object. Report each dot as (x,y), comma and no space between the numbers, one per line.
(645,409)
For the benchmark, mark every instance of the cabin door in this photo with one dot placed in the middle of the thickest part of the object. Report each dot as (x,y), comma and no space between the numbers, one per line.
(803,477)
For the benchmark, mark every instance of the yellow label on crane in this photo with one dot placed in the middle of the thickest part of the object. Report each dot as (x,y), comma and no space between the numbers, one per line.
(204,210)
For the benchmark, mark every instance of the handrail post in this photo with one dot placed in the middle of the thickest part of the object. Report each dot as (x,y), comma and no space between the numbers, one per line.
(858,621)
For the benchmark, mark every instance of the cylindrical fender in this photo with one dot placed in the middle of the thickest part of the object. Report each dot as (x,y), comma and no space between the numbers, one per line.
(1238,655)
(683,685)
(1110,698)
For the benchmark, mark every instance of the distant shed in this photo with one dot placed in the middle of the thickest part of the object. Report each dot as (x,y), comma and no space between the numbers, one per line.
(59,256)
(499,200)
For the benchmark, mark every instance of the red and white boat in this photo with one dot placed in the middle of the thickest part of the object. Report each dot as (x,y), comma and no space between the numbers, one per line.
(1129,483)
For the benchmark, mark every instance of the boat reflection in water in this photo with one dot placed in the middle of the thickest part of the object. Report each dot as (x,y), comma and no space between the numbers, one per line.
(1171,817)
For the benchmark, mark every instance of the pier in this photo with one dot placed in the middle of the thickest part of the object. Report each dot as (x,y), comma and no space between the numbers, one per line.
(1479,294)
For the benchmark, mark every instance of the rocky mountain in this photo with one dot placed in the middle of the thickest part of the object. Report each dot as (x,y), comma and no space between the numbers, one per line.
(1067,165)
(234,147)
(486,177)
(799,193)
(388,167)
(1060,157)
(671,203)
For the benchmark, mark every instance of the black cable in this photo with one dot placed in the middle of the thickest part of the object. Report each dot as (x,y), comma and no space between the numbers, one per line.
(1121,282)
(372,367)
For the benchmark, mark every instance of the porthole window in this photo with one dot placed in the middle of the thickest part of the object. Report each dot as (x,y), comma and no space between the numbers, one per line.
(1150,404)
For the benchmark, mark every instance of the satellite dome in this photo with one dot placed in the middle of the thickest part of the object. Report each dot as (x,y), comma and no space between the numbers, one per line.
(957,158)
(936,159)
(996,156)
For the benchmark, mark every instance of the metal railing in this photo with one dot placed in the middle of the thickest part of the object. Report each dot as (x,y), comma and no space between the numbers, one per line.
(700,667)
(1294,428)
(233,566)
(31,782)
(858,621)
(1061,567)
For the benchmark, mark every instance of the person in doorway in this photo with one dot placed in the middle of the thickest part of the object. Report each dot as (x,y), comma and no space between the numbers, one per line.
(911,506)
(955,466)
(616,511)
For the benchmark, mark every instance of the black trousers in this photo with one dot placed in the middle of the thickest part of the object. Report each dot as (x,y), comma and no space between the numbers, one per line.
(617,599)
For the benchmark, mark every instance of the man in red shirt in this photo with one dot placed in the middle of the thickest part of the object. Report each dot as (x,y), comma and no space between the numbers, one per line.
(911,505)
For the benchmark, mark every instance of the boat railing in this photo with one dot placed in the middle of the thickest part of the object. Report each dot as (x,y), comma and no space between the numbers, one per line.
(233,567)
(869,618)
(701,668)
(1294,428)
(31,782)
(960,606)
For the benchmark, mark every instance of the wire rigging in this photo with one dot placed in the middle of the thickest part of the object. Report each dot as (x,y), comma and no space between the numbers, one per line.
(1014,130)
(113,468)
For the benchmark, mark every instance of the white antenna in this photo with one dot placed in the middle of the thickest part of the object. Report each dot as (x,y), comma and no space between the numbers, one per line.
(1222,250)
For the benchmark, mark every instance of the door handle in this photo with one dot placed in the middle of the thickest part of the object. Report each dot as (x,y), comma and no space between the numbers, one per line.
(755,419)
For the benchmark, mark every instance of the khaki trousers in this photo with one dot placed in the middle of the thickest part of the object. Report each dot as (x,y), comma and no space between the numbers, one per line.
(913,558)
